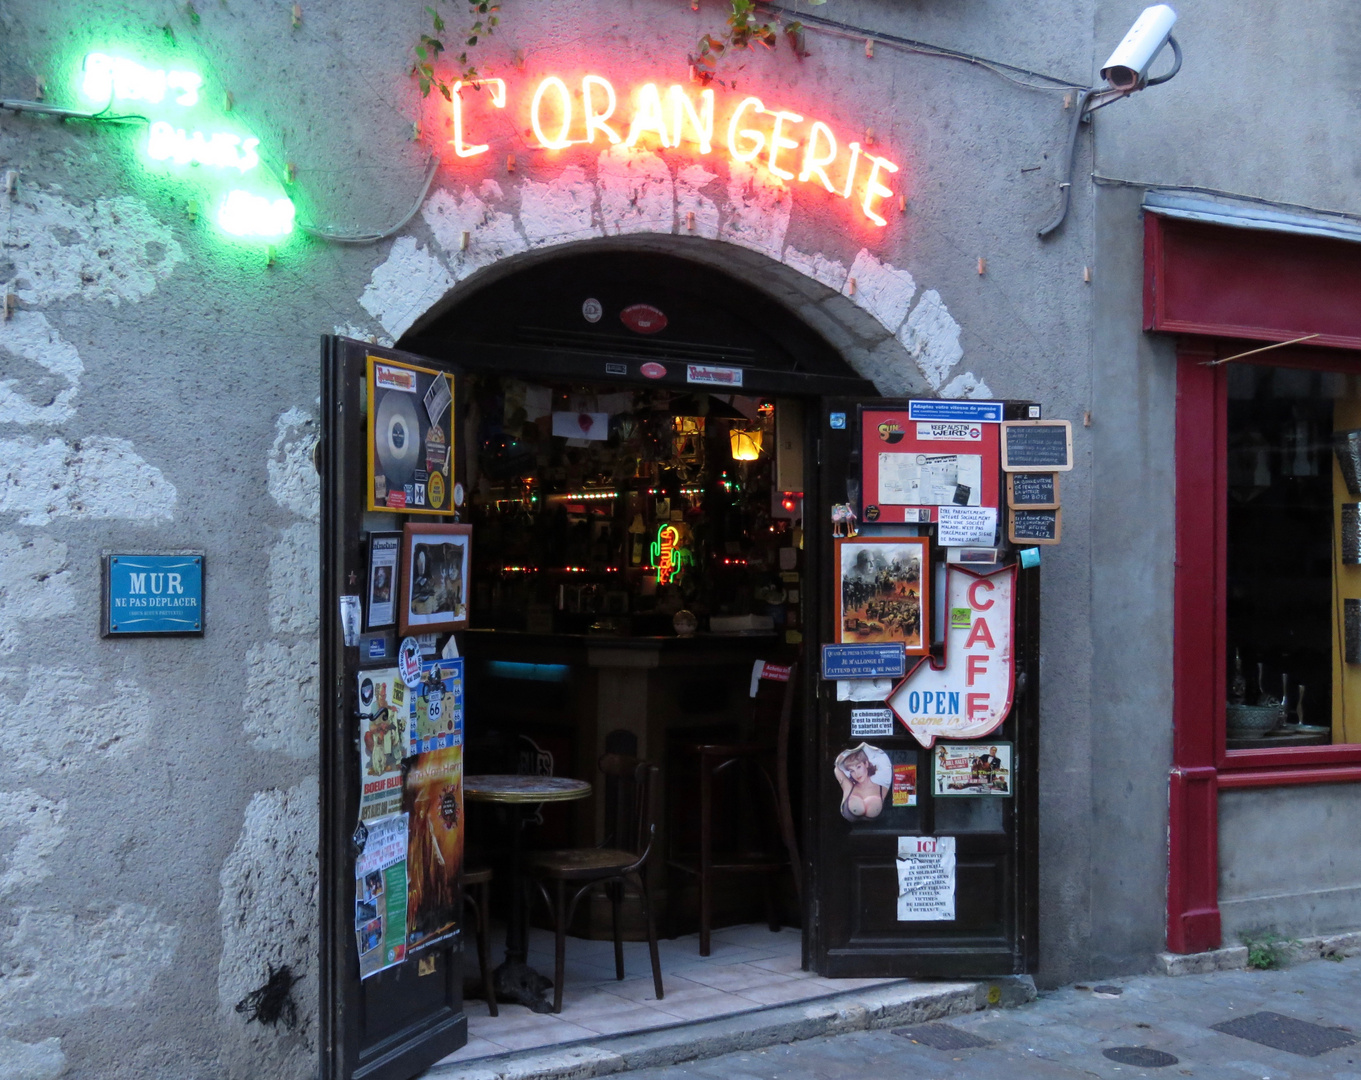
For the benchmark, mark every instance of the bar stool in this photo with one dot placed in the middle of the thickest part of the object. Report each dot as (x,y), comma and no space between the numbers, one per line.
(477,898)
(770,760)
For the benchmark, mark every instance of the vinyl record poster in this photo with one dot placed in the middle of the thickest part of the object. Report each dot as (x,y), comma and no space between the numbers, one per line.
(411,438)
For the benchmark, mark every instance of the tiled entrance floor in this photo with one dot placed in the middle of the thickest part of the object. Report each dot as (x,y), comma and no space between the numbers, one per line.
(749,968)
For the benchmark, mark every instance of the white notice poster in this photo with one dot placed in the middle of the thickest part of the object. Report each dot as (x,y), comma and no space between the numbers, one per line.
(960,526)
(383,551)
(926,878)
(591,426)
(864,689)
(930,479)
(871,722)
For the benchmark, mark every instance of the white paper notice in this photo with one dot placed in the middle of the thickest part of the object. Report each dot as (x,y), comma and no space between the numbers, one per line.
(383,579)
(593,426)
(349,619)
(871,722)
(538,401)
(930,479)
(926,878)
(864,689)
(962,525)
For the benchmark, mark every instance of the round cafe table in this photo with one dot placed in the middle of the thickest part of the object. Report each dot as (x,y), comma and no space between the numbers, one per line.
(515,980)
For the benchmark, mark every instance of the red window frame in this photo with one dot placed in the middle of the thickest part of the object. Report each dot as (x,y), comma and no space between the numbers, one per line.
(1201,670)
(1225,286)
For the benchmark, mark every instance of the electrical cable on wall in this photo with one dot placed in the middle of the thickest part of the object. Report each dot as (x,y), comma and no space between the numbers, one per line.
(1153,185)
(373,237)
(894,41)
(103,116)
(318,232)
(1126,72)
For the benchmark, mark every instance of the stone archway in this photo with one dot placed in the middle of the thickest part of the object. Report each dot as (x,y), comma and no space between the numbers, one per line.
(872,313)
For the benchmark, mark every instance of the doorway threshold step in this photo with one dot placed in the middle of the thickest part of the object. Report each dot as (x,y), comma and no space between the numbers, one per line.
(906,1001)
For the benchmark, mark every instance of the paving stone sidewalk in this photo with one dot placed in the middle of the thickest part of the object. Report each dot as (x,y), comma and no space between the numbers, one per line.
(1066,1032)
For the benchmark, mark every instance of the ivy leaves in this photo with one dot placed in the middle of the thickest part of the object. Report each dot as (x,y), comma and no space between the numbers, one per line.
(744,29)
(482,20)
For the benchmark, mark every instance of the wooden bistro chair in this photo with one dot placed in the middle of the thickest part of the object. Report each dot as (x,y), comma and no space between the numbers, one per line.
(767,754)
(621,860)
(477,899)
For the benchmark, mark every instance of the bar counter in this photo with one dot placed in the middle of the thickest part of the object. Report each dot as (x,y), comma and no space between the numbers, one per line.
(569,698)
(646,686)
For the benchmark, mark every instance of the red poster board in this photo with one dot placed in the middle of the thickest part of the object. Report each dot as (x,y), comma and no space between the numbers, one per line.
(909,467)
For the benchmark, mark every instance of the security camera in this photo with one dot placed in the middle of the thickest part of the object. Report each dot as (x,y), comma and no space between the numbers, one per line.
(1127,69)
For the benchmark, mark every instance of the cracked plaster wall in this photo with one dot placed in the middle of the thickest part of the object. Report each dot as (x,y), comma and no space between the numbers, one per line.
(158,390)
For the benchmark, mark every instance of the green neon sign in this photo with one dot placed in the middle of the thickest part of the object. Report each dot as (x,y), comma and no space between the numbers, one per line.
(112,78)
(667,555)
(177,139)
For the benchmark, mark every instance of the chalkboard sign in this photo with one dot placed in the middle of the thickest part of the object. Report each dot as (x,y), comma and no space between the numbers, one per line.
(1033,491)
(1034,526)
(1037,446)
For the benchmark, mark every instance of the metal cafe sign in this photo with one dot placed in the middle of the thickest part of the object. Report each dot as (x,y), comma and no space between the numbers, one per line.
(747,129)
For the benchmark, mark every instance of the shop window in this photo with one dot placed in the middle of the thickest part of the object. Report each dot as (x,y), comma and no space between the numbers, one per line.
(1269,541)
(1293,561)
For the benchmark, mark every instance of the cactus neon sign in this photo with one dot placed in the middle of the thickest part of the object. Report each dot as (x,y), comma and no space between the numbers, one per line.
(107,79)
(791,147)
(667,554)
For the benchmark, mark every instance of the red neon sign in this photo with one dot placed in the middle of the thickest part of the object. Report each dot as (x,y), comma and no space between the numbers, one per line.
(667,538)
(788,145)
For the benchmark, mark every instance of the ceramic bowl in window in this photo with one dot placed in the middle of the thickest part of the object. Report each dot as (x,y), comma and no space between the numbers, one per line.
(1251,721)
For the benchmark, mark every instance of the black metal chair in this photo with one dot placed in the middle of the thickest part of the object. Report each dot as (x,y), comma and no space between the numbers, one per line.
(621,860)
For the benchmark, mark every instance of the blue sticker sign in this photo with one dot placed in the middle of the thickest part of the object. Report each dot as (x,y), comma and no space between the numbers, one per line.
(436,719)
(838,421)
(153,594)
(869,661)
(987,412)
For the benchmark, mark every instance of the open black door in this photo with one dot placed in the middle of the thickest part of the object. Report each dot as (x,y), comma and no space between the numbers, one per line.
(925,834)
(407,1011)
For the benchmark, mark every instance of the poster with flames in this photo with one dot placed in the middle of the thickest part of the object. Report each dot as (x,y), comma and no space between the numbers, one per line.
(432,797)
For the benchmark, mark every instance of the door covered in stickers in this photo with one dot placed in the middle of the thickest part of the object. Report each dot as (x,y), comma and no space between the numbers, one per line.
(394,569)
(925,789)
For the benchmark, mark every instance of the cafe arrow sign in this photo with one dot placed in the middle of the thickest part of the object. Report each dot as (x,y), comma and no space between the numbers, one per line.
(967,694)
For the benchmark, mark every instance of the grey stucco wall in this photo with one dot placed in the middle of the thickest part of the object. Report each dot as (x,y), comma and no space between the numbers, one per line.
(1263,107)
(1133,493)
(159,391)
(1289,860)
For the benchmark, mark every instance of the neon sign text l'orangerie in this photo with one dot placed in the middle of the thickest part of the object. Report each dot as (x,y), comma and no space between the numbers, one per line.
(788,145)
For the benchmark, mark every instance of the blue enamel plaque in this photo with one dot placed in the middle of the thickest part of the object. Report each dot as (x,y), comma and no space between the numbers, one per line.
(868,661)
(153,594)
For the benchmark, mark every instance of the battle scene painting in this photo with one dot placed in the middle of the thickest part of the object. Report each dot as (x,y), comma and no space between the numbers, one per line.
(884,593)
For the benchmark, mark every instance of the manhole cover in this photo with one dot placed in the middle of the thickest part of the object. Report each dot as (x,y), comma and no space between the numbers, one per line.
(1286,1033)
(942,1037)
(1140,1056)
(1107,990)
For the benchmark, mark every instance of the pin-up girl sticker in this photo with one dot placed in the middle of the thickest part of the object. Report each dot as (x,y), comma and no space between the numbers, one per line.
(865,774)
